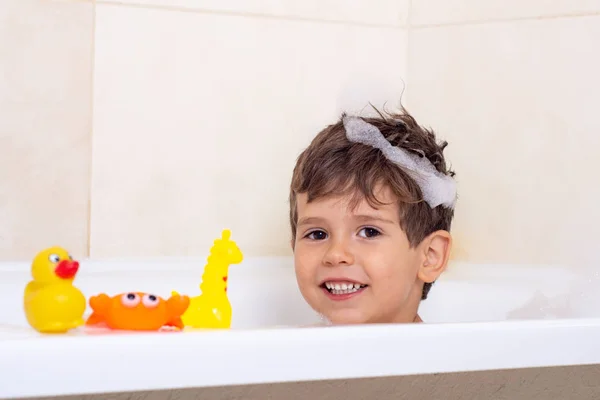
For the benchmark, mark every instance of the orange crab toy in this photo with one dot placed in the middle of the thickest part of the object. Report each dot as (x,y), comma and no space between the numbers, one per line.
(137,311)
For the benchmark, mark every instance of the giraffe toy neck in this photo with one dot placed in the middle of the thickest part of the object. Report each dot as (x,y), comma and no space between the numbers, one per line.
(214,278)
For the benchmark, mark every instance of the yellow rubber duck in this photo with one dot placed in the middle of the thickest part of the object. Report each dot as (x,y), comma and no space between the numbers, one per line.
(52,304)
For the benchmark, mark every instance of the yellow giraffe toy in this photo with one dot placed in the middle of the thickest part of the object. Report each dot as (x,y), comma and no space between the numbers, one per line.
(212,308)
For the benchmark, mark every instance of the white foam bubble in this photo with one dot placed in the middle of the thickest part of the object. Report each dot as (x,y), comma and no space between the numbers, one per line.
(437,188)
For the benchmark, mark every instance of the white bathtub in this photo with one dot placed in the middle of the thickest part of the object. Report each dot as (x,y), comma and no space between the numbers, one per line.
(478,317)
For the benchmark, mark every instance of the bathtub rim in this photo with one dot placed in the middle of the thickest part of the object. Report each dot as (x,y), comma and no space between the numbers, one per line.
(472,346)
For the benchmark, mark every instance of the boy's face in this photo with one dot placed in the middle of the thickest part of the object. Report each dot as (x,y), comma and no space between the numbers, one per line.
(355,265)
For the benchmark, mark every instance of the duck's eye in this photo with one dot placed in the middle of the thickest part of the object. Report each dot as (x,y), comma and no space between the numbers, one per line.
(130,299)
(150,300)
(70,257)
(54,258)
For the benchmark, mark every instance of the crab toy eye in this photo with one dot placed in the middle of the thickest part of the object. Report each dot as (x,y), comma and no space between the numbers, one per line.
(150,300)
(130,299)
(54,258)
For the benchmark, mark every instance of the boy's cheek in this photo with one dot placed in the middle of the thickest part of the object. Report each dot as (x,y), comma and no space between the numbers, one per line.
(304,254)
(302,262)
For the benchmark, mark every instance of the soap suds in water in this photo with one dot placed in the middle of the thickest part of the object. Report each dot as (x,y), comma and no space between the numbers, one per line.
(580,300)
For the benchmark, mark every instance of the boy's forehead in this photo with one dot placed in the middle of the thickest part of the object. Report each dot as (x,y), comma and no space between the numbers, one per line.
(347,204)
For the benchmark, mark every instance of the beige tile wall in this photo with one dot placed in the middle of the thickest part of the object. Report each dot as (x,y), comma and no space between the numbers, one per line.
(45,123)
(518,102)
(191,97)
(358,12)
(199,116)
(436,12)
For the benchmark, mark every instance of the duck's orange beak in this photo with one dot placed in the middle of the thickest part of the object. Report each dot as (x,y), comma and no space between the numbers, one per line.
(66,269)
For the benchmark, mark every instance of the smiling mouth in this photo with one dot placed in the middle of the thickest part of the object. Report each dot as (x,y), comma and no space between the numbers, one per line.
(340,288)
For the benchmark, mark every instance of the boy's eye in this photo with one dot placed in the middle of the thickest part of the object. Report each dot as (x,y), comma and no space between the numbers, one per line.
(369,232)
(317,235)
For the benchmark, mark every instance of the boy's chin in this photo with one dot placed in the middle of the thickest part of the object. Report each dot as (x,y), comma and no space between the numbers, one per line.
(358,317)
(347,317)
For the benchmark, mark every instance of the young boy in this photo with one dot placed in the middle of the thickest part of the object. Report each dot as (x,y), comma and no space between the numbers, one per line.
(371,204)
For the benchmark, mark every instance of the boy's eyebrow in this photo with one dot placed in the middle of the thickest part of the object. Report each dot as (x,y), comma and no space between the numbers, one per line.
(309,220)
(366,217)
(360,217)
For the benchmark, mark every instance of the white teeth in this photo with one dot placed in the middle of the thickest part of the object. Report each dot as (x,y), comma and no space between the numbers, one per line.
(343,288)
(344,291)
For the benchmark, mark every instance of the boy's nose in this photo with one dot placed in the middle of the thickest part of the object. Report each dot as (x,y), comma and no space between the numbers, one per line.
(338,253)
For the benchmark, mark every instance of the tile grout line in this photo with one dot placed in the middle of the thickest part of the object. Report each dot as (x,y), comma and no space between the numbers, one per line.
(69,1)
(407,51)
(507,19)
(91,131)
(246,14)
(193,10)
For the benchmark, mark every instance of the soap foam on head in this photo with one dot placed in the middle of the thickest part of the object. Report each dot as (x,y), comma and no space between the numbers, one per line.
(437,188)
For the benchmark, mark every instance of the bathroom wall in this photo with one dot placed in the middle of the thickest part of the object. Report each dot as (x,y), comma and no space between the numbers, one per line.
(513,86)
(202,108)
(46,52)
(199,111)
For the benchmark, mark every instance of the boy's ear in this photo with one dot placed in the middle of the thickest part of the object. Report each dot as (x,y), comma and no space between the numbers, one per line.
(436,250)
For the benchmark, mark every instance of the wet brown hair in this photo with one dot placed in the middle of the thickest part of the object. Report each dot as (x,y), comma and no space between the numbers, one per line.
(332,166)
